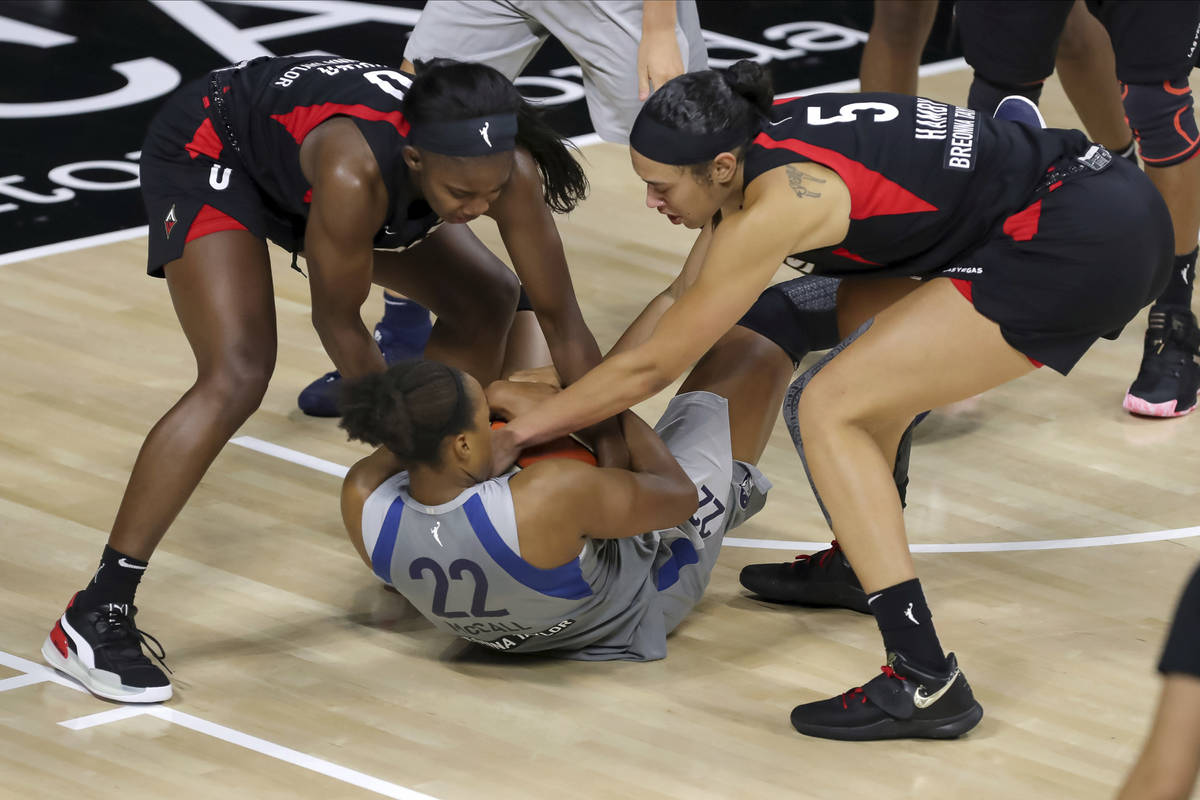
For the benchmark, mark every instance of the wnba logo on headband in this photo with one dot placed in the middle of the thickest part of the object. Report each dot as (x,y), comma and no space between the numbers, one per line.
(478,136)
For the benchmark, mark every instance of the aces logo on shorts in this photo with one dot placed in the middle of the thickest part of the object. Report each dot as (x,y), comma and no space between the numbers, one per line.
(169,222)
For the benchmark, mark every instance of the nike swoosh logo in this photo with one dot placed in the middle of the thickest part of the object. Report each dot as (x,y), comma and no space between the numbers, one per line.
(772,124)
(922,700)
(873,598)
(121,562)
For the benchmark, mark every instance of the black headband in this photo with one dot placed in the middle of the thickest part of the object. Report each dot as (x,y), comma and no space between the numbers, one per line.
(670,146)
(480,136)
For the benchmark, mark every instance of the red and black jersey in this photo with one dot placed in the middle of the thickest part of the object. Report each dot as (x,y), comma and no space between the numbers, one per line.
(264,108)
(928,181)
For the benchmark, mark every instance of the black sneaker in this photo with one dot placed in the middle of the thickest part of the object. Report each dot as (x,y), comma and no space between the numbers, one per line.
(101,648)
(397,343)
(1169,379)
(821,579)
(905,702)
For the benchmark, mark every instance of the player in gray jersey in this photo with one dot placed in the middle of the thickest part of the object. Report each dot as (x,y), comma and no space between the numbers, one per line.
(563,556)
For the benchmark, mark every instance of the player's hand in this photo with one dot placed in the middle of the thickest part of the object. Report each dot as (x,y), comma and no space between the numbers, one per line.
(508,399)
(658,61)
(504,451)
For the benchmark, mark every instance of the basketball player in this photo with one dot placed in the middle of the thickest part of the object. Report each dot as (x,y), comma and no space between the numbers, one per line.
(563,556)
(1014,47)
(1028,245)
(1170,760)
(1011,47)
(349,162)
(625,49)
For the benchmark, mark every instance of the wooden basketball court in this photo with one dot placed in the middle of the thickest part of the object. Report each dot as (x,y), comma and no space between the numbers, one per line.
(298,676)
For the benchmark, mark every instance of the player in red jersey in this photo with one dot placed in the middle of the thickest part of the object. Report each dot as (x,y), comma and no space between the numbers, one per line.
(347,162)
(1014,247)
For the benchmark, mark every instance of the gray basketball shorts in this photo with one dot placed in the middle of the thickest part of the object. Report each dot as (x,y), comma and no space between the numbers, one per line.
(601,35)
(695,428)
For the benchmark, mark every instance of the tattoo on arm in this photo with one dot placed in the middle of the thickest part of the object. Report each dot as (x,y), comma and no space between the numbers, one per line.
(796,181)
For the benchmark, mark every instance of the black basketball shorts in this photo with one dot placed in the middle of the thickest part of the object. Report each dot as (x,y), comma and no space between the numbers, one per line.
(1075,265)
(193,183)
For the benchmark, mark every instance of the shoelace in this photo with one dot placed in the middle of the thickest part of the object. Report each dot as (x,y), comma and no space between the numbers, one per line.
(822,557)
(122,628)
(857,691)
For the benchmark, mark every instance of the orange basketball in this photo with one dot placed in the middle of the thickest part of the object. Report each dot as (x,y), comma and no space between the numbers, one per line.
(562,447)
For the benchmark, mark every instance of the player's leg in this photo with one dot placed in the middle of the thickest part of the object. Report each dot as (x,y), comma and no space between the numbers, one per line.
(929,349)
(526,348)
(222,292)
(825,578)
(892,54)
(603,38)
(1088,72)
(1155,51)
(1010,46)
(470,290)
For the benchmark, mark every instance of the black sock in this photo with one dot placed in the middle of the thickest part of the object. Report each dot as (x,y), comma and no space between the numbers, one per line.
(906,624)
(1130,152)
(1179,288)
(116,580)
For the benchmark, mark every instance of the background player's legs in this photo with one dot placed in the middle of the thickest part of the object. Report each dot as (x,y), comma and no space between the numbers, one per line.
(1010,46)
(892,54)
(603,38)
(1155,49)
(1088,72)
(471,291)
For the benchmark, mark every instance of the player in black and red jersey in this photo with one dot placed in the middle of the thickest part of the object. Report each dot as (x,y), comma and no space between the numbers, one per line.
(1027,245)
(347,162)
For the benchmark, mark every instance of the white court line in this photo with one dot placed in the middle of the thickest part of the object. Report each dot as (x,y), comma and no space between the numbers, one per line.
(105,717)
(288,454)
(303,459)
(73,244)
(17,681)
(287,754)
(34,673)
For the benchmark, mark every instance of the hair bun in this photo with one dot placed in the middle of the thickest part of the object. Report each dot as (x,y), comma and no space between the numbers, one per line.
(752,81)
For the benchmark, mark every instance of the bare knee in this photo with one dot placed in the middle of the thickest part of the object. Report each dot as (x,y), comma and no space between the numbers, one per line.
(486,306)
(237,383)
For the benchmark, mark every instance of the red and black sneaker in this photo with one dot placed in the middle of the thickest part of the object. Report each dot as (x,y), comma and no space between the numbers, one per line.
(821,579)
(904,702)
(101,648)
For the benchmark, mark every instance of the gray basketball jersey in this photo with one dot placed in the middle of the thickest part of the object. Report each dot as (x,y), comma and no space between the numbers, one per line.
(460,565)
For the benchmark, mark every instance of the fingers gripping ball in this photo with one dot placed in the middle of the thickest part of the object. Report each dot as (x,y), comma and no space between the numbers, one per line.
(562,447)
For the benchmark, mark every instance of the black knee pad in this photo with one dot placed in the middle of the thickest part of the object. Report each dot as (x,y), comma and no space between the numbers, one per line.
(799,315)
(1163,121)
(985,95)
